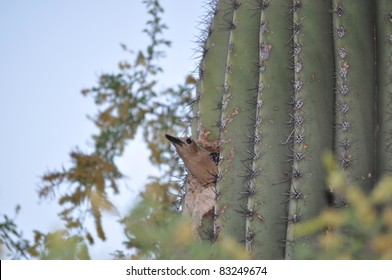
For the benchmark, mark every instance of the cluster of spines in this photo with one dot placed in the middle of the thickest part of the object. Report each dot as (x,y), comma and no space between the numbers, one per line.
(234,114)
(267,155)
(311,113)
(256,152)
(353,31)
(343,91)
(297,116)
(252,169)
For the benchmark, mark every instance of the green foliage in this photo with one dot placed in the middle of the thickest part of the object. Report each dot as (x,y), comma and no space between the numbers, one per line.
(89,175)
(12,239)
(158,233)
(362,230)
(58,245)
(128,103)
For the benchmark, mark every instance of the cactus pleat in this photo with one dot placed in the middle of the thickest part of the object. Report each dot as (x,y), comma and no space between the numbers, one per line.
(282,82)
(213,69)
(312,118)
(236,120)
(384,85)
(270,156)
(355,87)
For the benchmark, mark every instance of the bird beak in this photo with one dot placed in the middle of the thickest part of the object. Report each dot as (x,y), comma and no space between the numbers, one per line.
(174,140)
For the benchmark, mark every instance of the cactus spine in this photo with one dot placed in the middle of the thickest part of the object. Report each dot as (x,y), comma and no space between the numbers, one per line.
(280,83)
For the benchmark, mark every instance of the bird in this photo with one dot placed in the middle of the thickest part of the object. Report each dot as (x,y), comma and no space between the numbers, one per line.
(201,163)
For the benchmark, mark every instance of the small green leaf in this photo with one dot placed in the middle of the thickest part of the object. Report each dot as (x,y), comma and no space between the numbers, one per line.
(140,60)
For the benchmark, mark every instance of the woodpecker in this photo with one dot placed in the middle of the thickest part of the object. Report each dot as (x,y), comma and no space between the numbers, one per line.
(201,163)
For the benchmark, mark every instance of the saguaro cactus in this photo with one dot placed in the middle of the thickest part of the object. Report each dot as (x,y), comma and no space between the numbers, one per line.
(280,83)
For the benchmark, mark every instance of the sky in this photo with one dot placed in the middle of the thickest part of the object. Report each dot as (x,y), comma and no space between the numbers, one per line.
(49,52)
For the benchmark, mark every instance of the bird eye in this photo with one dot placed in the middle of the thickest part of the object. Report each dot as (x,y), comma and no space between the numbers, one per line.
(188,140)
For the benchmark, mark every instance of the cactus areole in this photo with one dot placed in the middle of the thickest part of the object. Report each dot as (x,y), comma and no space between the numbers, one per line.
(280,83)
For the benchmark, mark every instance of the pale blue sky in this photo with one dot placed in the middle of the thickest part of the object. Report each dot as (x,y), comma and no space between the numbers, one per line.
(49,51)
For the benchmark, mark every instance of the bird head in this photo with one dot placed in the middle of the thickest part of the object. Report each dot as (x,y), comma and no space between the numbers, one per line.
(186,147)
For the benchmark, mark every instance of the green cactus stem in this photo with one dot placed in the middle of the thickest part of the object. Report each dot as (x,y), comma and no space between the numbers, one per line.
(282,82)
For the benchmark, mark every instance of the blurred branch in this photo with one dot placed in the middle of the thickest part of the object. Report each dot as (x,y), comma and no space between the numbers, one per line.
(127,103)
(12,239)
